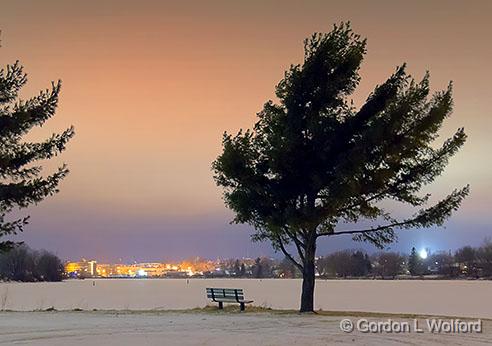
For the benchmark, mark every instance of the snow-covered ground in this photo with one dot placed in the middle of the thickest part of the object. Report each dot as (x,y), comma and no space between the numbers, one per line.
(448,298)
(202,328)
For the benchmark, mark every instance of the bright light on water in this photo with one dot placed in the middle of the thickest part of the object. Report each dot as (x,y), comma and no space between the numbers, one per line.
(423,253)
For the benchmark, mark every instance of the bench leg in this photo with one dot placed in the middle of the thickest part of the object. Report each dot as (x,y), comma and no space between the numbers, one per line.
(242,306)
(221,305)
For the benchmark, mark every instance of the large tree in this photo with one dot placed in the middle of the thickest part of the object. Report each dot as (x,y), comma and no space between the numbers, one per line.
(21,182)
(313,161)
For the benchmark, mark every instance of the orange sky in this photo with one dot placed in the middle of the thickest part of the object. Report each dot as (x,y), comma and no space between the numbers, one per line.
(151,85)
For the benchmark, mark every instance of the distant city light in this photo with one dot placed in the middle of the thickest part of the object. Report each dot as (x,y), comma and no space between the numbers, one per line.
(139,270)
(423,253)
(142,272)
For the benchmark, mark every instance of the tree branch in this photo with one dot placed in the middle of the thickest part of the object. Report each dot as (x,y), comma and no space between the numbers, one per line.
(379,228)
(299,244)
(299,250)
(288,255)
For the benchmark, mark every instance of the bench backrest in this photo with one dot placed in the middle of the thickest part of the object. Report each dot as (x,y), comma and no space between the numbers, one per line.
(225,293)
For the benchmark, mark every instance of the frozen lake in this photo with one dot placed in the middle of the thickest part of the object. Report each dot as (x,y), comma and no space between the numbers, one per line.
(450,298)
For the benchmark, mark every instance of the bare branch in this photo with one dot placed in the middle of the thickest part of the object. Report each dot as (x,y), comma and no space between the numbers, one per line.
(298,243)
(299,250)
(288,255)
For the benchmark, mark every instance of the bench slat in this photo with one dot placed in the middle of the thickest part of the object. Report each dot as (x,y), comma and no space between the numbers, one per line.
(226,290)
(227,295)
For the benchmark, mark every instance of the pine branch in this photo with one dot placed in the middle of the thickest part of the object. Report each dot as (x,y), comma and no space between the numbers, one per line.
(11,81)
(25,153)
(435,215)
(33,112)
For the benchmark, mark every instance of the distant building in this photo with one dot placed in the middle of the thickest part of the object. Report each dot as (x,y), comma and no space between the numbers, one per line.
(81,269)
(92,268)
(176,274)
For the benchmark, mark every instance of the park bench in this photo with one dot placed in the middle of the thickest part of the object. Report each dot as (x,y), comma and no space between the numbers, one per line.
(227,295)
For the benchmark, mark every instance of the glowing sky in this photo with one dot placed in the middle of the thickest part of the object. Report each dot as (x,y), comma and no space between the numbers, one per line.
(150,86)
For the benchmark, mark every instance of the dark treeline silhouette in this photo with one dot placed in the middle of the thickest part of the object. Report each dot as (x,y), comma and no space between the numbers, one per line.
(344,263)
(466,262)
(260,267)
(24,264)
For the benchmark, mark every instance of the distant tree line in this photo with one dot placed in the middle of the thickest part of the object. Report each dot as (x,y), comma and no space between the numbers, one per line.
(261,267)
(24,264)
(344,263)
(466,262)
(356,264)
(475,262)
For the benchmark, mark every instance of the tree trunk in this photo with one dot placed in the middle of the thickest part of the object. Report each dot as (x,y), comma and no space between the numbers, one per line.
(308,277)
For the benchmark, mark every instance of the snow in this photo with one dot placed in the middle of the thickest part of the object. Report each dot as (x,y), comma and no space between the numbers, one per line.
(201,328)
(430,297)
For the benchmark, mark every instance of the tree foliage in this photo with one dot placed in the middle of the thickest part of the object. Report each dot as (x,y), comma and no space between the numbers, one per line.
(484,255)
(313,161)
(21,182)
(24,264)
(444,264)
(388,264)
(345,263)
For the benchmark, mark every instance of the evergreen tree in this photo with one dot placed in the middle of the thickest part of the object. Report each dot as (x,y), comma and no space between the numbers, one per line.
(21,182)
(313,161)
(413,263)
